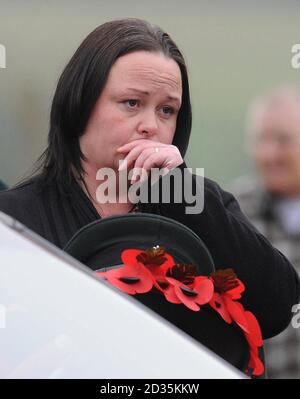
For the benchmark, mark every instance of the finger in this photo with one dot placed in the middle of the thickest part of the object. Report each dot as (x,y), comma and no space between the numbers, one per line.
(164,158)
(127,147)
(140,161)
(153,160)
(131,157)
(138,174)
(143,156)
(136,151)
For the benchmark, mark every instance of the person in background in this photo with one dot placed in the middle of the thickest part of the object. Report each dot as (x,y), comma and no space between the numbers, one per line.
(271,200)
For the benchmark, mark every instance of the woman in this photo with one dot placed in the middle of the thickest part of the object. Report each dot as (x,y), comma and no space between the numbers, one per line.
(124,95)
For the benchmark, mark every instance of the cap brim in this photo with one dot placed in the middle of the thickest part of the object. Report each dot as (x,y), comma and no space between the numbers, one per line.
(100,243)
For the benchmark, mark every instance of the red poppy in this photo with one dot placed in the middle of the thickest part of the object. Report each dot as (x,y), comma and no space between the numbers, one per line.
(255,363)
(153,258)
(254,336)
(227,288)
(225,280)
(132,279)
(156,260)
(169,292)
(178,282)
(181,286)
(192,296)
(255,341)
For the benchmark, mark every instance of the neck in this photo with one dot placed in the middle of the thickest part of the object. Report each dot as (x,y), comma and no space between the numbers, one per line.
(104,193)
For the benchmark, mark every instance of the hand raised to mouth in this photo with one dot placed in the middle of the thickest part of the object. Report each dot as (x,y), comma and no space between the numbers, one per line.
(147,154)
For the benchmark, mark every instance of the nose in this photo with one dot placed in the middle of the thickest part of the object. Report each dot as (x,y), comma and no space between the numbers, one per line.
(270,151)
(148,124)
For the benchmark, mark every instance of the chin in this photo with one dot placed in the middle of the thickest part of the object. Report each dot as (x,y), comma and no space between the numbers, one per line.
(280,189)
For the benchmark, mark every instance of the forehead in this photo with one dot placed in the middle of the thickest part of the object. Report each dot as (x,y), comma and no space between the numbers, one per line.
(146,70)
(284,118)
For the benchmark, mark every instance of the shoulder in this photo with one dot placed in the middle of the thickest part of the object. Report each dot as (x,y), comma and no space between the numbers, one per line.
(251,195)
(209,186)
(212,188)
(219,200)
(246,187)
(21,200)
(25,189)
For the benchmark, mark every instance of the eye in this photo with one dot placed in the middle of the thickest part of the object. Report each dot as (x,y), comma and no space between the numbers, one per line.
(166,110)
(131,103)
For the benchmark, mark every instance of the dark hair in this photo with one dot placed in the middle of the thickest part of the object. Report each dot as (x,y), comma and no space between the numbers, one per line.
(82,82)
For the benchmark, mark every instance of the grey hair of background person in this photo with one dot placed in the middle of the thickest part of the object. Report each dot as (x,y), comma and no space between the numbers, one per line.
(267,102)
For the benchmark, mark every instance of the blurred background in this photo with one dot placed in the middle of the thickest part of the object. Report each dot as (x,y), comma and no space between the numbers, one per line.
(234,51)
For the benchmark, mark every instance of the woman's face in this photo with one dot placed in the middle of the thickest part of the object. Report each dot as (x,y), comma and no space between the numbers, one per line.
(141,100)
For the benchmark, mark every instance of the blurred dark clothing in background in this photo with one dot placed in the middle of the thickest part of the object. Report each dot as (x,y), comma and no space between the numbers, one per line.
(3,186)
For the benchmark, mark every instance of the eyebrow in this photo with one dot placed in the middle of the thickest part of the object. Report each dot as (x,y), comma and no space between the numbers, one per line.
(146,93)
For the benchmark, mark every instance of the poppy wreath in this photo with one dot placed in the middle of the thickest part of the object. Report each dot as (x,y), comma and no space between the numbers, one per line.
(154,268)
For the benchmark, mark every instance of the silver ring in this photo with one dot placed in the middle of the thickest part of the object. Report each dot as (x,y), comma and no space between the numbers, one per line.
(156,149)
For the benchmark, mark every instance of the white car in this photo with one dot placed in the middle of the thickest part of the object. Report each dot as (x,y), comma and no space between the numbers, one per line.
(58,321)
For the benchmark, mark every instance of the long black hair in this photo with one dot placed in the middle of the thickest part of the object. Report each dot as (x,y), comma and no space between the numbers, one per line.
(82,82)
